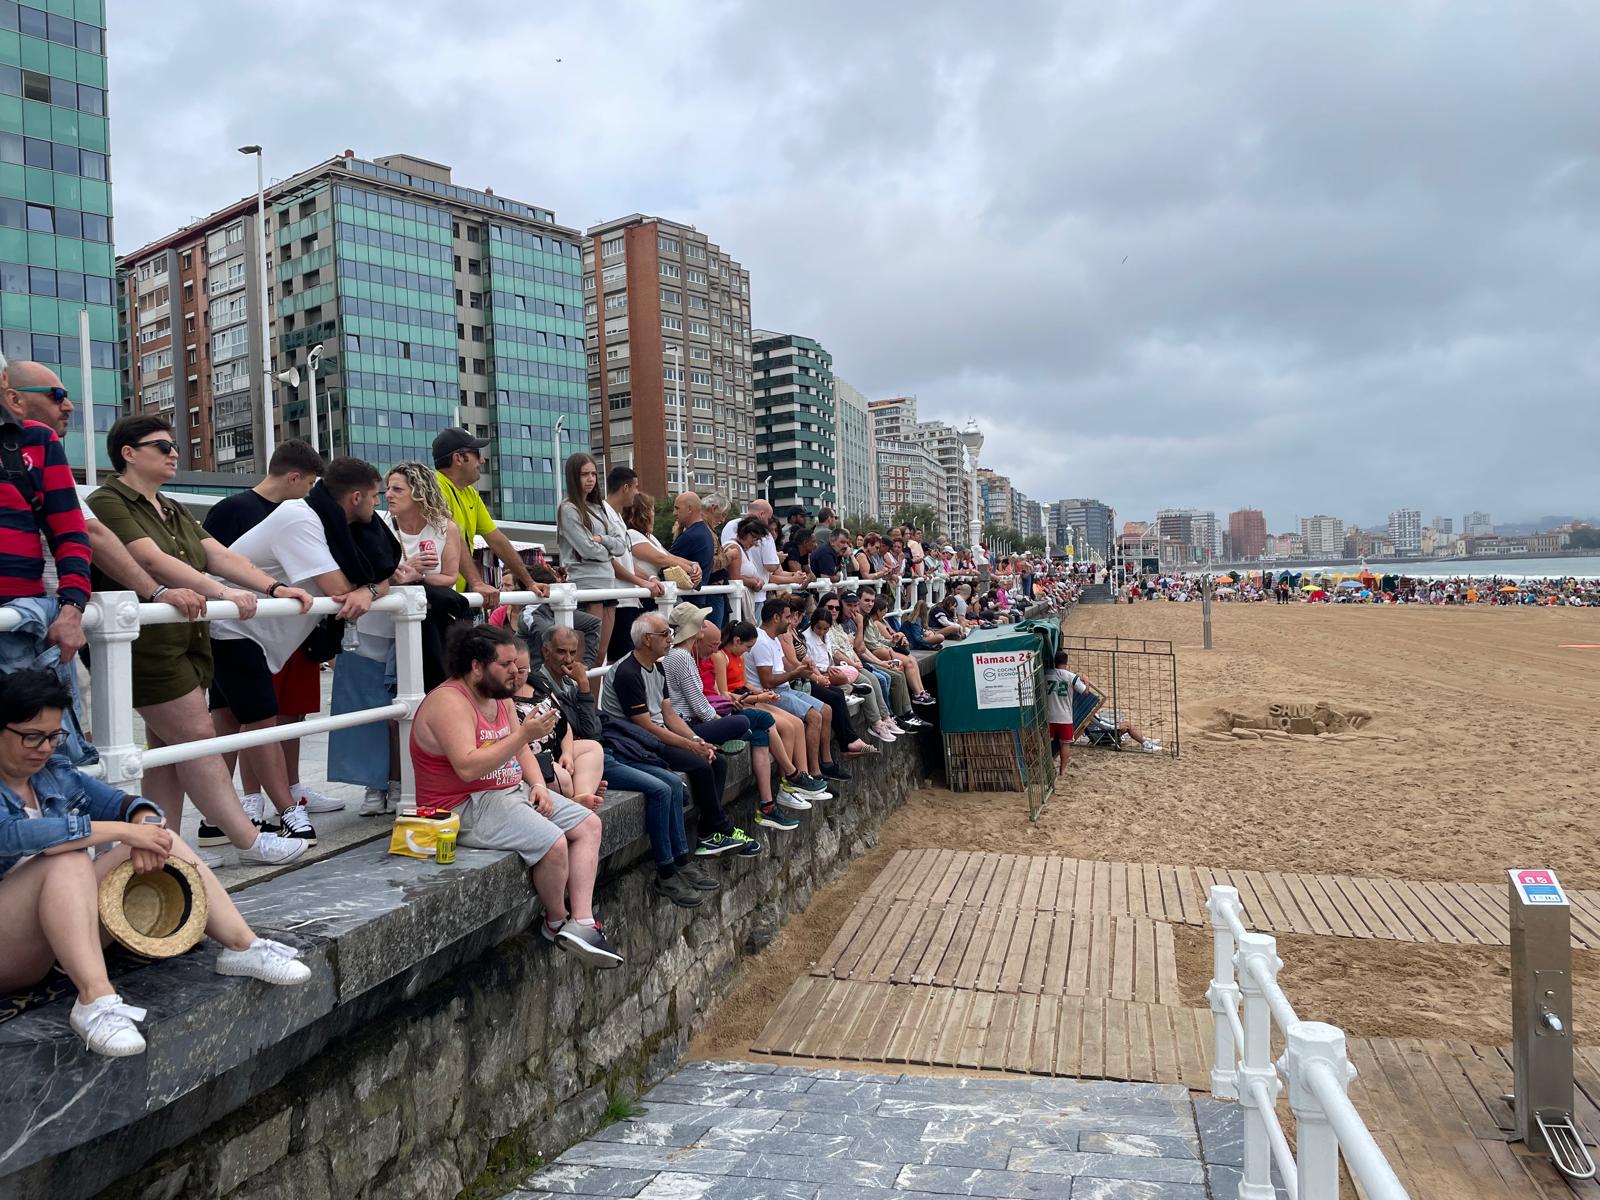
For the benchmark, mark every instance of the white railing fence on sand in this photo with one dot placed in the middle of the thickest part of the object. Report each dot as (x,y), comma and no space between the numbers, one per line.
(1244,976)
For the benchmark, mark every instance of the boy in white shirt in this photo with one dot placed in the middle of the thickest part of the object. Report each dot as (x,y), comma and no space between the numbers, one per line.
(1060,686)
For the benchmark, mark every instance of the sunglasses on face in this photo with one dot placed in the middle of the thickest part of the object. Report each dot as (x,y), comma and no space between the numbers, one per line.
(164,445)
(58,394)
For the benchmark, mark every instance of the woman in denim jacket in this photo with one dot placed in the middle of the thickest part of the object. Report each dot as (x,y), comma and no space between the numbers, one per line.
(50,815)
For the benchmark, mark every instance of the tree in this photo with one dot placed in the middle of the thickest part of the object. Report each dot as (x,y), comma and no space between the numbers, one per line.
(861,523)
(663,521)
(919,516)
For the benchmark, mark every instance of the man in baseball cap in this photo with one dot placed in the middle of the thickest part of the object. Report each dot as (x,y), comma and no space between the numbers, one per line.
(458,461)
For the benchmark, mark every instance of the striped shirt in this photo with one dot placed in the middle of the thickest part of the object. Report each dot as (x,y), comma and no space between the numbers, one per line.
(21,555)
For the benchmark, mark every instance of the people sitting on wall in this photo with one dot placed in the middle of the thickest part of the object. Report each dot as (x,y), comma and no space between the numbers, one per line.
(471,757)
(800,737)
(636,705)
(730,730)
(777,675)
(539,619)
(51,813)
(571,765)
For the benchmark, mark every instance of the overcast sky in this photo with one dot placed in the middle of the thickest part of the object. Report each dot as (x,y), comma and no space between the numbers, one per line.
(1338,257)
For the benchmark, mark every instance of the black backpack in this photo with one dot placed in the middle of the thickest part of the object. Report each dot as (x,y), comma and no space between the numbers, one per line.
(15,471)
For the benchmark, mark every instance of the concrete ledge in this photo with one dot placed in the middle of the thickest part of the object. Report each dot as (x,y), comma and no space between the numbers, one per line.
(382,932)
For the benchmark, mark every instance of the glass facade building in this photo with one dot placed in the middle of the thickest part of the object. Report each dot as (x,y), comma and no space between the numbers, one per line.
(55,196)
(796,429)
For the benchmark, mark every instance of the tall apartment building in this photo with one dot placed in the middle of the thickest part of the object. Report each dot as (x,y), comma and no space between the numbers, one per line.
(1405,530)
(996,494)
(668,326)
(1093,521)
(1197,529)
(1476,524)
(1247,533)
(907,474)
(1444,526)
(434,305)
(944,443)
(55,200)
(1323,536)
(855,490)
(796,424)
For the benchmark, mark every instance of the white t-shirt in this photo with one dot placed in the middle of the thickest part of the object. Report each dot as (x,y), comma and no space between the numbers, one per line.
(819,652)
(615,524)
(761,559)
(381,624)
(291,546)
(640,567)
(1059,685)
(767,652)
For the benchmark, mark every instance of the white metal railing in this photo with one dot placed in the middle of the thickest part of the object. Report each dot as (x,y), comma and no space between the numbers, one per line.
(112,622)
(1244,975)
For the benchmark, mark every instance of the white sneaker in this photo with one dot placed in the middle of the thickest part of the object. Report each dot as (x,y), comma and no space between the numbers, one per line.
(881,732)
(210,858)
(254,804)
(374,803)
(106,1026)
(270,850)
(271,962)
(314,801)
(895,727)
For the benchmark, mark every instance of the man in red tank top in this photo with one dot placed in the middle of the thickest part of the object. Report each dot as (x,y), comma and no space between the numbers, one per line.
(471,755)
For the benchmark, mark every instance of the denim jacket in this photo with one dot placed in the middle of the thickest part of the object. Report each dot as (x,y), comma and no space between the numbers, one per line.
(25,647)
(68,800)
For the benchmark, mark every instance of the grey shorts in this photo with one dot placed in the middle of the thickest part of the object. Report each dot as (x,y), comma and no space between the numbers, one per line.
(503,819)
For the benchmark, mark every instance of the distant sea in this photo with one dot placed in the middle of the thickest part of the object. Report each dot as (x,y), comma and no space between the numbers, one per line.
(1582,566)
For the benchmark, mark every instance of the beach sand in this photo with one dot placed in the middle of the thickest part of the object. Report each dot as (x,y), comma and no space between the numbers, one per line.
(1478,758)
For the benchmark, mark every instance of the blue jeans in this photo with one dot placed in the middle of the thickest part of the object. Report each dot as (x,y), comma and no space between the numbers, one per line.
(663,805)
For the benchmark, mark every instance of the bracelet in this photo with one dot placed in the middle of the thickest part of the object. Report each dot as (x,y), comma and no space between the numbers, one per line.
(273,590)
(156,595)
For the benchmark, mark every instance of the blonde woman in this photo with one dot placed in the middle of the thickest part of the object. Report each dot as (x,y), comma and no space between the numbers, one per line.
(364,676)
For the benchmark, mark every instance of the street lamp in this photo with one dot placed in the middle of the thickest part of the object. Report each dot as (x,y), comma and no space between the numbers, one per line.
(769,490)
(268,434)
(561,423)
(292,378)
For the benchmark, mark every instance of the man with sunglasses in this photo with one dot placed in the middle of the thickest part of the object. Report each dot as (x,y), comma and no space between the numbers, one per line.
(38,501)
(31,391)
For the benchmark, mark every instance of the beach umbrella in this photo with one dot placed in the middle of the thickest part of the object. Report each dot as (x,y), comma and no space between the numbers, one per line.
(1509,588)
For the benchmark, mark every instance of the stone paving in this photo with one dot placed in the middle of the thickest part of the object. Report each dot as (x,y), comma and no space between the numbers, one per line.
(755,1131)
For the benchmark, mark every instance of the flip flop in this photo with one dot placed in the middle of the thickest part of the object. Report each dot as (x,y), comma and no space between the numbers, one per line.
(865,752)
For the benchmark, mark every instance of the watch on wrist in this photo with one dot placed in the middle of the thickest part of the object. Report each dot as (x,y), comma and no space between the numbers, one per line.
(72,602)
(373,588)
(273,590)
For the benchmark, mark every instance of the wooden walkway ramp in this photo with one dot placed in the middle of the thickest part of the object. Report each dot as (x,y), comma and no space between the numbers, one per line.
(1467,914)
(1058,966)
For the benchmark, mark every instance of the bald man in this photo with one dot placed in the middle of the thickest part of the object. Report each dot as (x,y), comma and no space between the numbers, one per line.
(696,543)
(29,391)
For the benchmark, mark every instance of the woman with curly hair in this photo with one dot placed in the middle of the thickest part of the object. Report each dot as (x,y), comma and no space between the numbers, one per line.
(363,677)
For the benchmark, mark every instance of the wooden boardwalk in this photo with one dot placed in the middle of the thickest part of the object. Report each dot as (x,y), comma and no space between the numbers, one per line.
(1089,1037)
(1464,914)
(1064,967)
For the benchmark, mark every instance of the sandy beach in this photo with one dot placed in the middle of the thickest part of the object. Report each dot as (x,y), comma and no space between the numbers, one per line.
(1477,758)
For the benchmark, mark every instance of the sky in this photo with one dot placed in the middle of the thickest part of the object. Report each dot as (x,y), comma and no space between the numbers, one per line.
(1312,258)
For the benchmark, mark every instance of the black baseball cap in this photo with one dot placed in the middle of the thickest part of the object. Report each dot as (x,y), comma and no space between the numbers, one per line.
(796,511)
(453,439)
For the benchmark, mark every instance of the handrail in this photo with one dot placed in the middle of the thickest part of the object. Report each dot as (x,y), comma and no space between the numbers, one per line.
(1245,969)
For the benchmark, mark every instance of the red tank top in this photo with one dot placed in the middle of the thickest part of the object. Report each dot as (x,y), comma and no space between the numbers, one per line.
(438,785)
(735,672)
(708,676)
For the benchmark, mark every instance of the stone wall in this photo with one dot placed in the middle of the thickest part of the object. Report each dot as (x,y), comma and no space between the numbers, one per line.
(501,1052)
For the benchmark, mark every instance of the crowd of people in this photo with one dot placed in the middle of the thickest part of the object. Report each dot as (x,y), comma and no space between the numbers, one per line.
(516,735)
(1365,588)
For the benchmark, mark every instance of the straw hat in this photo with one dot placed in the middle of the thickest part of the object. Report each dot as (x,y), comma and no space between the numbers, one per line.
(159,915)
(686,620)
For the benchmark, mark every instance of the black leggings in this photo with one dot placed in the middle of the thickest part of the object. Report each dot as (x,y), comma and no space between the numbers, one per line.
(838,702)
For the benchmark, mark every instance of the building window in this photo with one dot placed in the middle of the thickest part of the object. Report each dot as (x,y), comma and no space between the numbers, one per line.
(611,247)
(617,302)
(672,296)
(670,271)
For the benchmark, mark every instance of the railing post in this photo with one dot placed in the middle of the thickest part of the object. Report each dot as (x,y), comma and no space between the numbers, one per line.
(1223,994)
(736,600)
(1316,1143)
(111,633)
(564,603)
(668,598)
(1257,949)
(408,678)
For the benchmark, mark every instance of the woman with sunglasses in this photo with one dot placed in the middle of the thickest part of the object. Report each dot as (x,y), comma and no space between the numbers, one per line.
(172,663)
(51,814)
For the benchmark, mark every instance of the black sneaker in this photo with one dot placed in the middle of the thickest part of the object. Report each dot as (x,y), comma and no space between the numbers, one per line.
(210,835)
(746,846)
(776,818)
(677,889)
(294,823)
(717,843)
(698,879)
(834,771)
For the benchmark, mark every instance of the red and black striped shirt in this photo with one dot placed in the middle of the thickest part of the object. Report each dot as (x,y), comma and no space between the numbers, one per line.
(21,555)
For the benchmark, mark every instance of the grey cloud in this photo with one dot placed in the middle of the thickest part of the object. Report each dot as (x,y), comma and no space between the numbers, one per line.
(1360,239)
